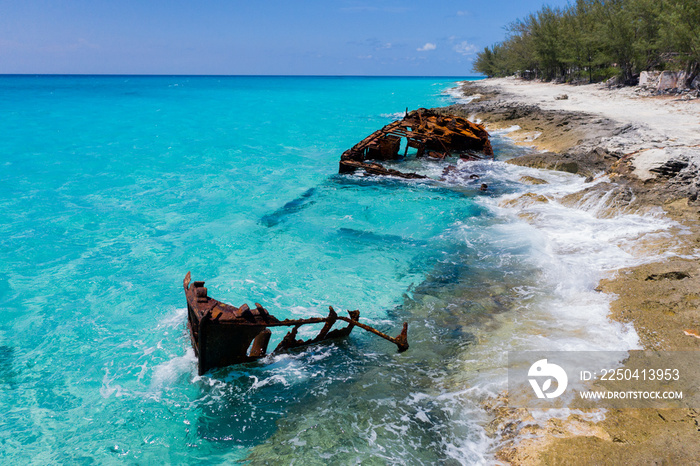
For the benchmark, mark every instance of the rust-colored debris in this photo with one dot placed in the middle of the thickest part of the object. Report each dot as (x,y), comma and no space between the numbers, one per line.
(430,133)
(223,335)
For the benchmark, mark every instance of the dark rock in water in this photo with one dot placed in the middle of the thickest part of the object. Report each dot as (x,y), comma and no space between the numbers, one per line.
(532,180)
(7,374)
(289,208)
(371,237)
(448,169)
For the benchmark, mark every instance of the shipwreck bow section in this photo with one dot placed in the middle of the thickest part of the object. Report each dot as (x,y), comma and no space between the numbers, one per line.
(223,335)
(432,134)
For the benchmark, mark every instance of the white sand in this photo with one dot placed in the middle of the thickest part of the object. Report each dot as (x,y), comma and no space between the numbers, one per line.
(666,126)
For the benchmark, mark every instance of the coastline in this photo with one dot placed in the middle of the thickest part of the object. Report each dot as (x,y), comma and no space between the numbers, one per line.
(644,152)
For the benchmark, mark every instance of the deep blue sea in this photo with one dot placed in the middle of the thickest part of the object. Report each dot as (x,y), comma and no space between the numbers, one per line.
(112,188)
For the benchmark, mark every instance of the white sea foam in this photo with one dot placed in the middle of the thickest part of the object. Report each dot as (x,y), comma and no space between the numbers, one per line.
(168,373)
(501,132)
(572,246)
(458,96)
(173,320)
(275,379)
(462,438)
(534,136)
(394,116)
(108,387)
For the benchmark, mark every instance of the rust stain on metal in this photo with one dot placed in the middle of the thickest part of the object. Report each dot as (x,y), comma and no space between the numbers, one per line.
(223,335)
(432,134)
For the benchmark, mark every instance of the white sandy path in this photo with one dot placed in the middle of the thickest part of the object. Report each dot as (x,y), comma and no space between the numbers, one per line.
(667,116)
(669,127)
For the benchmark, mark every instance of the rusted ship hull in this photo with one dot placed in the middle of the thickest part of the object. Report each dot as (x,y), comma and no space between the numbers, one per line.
(432,134)
(223,335)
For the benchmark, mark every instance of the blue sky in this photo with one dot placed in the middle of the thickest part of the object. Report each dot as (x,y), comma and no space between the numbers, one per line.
(346,37)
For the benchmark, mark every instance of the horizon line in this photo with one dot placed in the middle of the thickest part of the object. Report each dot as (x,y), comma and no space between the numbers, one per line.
(241,75)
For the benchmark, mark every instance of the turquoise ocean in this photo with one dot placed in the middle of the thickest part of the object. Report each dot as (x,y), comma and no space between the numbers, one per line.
(112,188)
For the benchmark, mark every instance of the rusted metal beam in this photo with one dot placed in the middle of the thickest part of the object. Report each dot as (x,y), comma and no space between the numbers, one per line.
(222,334)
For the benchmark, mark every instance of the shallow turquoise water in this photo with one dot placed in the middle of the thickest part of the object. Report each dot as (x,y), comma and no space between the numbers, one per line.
(112,188)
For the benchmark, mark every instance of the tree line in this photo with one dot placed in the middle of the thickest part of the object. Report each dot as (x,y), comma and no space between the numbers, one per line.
(594,40)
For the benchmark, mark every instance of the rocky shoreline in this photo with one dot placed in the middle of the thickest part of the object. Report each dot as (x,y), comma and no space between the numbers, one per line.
(599,132)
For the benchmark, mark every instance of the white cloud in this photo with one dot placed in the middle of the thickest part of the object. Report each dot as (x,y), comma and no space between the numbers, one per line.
(463,13)
(465,48)
(372,42)
(427,47)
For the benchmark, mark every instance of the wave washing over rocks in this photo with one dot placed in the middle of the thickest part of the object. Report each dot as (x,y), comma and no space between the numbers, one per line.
(640,154)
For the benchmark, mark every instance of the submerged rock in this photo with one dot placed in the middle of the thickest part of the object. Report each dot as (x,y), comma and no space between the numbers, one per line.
(532,180)
(548,160)
(525,200)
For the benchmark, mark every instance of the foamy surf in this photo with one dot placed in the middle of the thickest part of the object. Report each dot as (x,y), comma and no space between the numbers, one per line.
(456,94)
(572,246)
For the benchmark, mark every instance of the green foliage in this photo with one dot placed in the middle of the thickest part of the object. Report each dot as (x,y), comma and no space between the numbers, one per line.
(596,39)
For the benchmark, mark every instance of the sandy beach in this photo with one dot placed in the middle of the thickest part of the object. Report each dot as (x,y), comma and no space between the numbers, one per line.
(647,150)
(669,117)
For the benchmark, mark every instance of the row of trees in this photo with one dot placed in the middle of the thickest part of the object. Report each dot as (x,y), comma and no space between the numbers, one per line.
(593,40)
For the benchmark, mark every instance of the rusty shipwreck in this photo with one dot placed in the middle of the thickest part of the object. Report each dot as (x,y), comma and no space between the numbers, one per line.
(432,133)
(223,335)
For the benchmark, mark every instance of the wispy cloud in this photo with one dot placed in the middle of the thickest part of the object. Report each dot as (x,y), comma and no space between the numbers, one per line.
(372,42)
(465,48)
(372,8)
(463,13)
(427,47)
